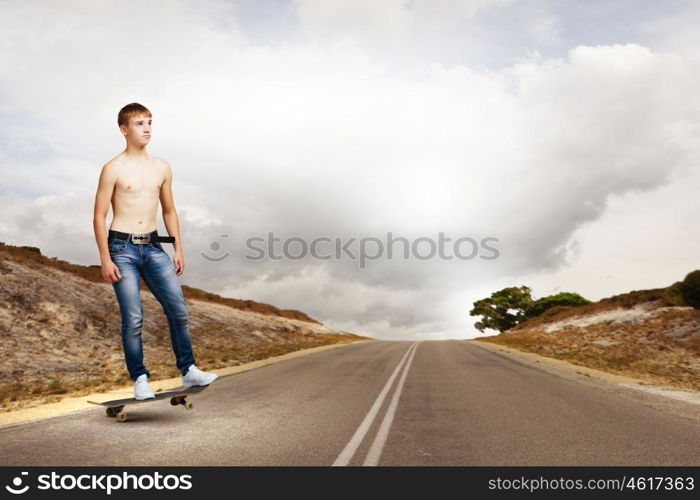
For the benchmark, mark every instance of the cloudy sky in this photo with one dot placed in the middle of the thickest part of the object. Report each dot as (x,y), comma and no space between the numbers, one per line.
(565,130)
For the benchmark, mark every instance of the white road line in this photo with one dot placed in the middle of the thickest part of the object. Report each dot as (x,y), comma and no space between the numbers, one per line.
(375,452)
(350,448)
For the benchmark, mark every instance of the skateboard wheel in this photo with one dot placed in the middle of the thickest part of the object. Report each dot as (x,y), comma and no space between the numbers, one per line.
(111,412)
(121,416)
(188,405)
(174,401)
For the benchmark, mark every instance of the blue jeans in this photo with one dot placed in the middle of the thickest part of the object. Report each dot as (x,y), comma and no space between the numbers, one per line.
(150,262)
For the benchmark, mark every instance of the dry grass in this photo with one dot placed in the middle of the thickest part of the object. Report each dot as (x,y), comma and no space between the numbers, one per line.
(60,331)
(623,300)
(664,347)
(31,257)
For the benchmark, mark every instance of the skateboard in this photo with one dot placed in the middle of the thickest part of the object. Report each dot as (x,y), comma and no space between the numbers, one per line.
(178,396)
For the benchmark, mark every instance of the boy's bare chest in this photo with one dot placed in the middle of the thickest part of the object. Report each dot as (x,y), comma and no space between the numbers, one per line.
(139,181)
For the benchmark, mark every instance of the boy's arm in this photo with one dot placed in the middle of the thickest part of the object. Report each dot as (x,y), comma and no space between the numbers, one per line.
(105,188)
(167,203)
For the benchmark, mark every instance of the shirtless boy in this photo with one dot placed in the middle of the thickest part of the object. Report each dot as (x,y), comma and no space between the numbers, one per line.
(134,181)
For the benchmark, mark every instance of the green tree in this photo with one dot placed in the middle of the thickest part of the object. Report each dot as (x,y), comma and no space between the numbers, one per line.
(503,310)
(560,299)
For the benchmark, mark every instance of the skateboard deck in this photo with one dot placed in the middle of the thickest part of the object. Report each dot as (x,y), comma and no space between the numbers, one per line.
(178,396)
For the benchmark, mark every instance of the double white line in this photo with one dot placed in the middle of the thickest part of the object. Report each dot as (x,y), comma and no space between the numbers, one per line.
(375,450)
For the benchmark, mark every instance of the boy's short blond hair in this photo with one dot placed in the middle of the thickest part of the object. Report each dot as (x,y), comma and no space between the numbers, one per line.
(133,109)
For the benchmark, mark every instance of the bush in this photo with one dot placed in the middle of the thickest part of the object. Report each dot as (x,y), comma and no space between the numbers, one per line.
(561,299)
(31,249)
(691,289)
(673,295)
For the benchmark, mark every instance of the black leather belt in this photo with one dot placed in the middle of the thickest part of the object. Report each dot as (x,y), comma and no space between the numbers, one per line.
(140,238)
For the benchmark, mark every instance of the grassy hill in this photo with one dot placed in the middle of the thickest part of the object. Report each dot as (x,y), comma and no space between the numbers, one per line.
(60,330)
(638,334)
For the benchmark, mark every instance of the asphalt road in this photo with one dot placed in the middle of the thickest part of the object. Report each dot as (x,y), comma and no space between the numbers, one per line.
(376,403)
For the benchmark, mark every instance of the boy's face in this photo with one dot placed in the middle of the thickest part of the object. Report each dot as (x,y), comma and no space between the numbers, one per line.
(138,131)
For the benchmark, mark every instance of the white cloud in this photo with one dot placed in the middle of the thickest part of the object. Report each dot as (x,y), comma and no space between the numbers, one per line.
(324,139)
(386,22)
(544,30)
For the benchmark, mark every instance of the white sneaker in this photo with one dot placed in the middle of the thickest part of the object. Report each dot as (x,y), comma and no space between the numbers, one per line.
(141,388)
(195,376)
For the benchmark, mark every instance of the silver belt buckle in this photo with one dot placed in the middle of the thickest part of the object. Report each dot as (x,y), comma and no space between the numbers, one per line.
(141,238)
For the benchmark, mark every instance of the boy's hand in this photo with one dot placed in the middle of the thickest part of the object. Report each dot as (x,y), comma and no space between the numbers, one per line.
(110,272)
(179,263)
